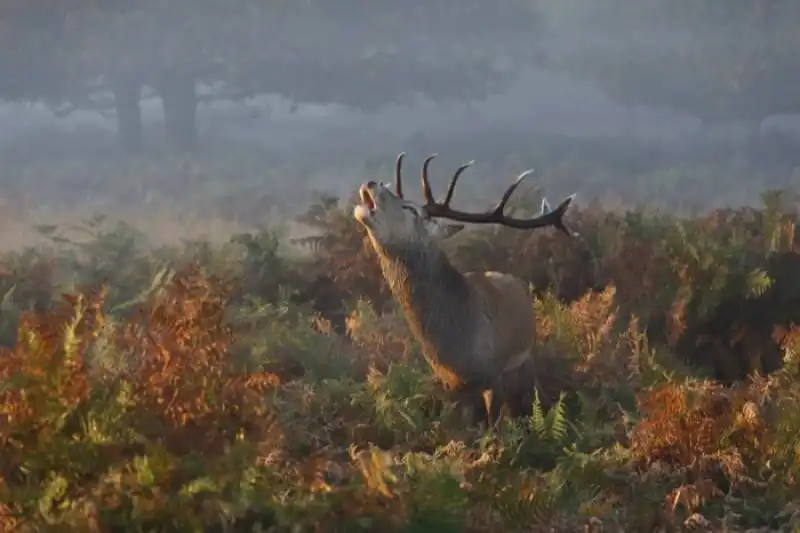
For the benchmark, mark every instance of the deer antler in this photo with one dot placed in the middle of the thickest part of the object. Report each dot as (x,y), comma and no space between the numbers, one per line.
(398,180)
(442,209)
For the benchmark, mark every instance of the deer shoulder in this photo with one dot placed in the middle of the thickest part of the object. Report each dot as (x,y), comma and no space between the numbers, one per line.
(508,308)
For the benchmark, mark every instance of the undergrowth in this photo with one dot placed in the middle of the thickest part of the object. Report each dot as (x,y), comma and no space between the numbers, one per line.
(242,387)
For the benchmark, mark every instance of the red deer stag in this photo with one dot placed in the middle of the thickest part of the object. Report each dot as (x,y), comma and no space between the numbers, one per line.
(473,328)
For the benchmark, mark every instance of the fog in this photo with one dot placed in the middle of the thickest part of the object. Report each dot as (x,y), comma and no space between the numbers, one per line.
(316,110)
(560,107)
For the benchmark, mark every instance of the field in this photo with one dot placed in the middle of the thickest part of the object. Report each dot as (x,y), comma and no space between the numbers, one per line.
(263,383)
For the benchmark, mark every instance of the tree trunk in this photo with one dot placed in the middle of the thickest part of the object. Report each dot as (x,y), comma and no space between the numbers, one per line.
(179,101)
(127,94)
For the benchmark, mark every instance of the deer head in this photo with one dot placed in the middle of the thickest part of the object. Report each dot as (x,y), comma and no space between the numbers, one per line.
(390,219)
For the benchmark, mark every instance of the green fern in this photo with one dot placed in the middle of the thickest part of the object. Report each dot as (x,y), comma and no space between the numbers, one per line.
(552,425)
(758,282)
(537,419)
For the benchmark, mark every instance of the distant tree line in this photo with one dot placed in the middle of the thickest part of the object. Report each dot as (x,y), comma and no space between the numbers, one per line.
(716,59)
(71,54)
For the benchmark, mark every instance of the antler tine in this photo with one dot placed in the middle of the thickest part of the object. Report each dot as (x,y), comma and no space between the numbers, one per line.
(510,190)
(398,179)
(426,184)
(452,187)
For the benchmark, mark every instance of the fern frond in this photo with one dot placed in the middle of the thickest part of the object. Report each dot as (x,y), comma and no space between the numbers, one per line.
(537,420)
(556,421)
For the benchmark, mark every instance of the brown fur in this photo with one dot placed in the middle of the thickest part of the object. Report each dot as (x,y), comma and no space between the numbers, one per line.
(508,301)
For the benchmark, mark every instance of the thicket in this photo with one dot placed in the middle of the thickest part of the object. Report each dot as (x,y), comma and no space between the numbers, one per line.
(248,387)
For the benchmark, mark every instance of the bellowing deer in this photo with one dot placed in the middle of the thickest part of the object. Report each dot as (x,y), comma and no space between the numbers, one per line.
(473,328)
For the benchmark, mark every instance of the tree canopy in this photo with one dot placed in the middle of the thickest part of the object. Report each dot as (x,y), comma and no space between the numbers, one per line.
(367,54)
(33,63)
(354,52)
(716,59)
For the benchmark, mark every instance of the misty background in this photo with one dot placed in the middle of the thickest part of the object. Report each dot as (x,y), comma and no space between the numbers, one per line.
(207,117)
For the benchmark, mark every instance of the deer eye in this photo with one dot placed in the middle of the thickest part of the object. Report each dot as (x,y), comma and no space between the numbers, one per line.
(412,209)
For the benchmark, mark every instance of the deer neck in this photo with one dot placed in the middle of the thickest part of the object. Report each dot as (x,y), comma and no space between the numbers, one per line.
(434,296)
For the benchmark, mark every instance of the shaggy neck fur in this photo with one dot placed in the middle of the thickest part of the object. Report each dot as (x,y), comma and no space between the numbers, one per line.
(435,299)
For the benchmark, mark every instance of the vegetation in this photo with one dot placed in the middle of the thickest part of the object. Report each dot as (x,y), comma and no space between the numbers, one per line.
(247,387)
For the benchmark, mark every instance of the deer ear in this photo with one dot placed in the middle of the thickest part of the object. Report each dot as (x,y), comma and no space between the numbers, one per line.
(441,230)
(448,230)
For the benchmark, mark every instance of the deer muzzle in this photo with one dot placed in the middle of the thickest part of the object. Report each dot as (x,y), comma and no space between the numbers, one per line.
(367,193)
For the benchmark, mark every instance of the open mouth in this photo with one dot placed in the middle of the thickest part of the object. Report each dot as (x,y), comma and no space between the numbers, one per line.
(367,199)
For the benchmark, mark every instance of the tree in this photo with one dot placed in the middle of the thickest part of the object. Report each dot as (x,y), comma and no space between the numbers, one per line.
(353,52)
(169,45)
(72,55)
(32,58)
(356,52)
(365,54)
(40,56)
(716,59)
